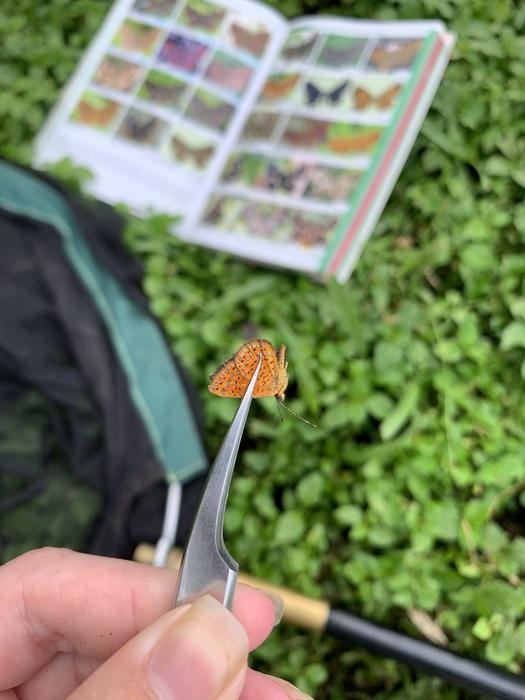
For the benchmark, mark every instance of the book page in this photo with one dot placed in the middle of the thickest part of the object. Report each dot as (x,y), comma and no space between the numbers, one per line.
(323,115)
(160,97)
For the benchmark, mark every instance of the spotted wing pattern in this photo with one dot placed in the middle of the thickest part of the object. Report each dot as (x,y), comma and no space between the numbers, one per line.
(228,381)
(233,376)
(246,360)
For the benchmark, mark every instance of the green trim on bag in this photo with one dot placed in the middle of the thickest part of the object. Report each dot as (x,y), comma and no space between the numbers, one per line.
(155,387)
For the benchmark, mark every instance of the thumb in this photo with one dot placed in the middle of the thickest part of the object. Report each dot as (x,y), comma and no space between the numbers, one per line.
(195,652)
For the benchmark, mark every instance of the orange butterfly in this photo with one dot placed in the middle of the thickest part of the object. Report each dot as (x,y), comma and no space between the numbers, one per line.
(392,55)
(281,86)
(252,41)
(364,100)
(231,379)
(354,143)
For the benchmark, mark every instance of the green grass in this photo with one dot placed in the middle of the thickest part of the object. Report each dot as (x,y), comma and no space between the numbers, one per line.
(410,494)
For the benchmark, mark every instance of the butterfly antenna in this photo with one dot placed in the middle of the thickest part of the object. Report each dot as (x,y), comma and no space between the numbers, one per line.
(296,414)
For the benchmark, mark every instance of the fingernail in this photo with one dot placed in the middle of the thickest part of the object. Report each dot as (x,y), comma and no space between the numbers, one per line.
(278,606)
(199,655)
(291,691)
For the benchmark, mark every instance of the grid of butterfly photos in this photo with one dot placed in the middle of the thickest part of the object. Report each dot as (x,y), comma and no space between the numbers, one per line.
(307,143)
(172,77)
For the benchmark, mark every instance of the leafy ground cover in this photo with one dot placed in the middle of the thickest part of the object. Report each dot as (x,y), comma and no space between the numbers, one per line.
(411,493)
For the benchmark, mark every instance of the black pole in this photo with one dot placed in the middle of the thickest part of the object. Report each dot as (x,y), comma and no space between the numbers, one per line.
(423,656)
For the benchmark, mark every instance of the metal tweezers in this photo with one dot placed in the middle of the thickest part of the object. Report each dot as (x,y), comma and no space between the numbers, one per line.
(207,566)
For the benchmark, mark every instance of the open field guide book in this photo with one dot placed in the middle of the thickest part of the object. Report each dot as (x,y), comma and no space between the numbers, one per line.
(276,141)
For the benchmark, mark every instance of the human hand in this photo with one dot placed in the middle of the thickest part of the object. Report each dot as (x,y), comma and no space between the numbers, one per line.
(85,627)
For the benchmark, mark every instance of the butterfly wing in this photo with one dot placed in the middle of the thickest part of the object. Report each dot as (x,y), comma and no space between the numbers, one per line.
(221,114)
(384,58)
(228,381)
(313,94)
(140,128)
(362,99)
(395,55)
(231,379)
(246,360)
(193,16)
(273,90)
(212,116)
(232,170)
(238,35)
(296,179)
(257,42)
(180,148)
(336,94)
(287,181)
(254,42)
(183,52)
(203,19)
(216,17)
(202,155)
(274,179)
(386,100)
(407,52)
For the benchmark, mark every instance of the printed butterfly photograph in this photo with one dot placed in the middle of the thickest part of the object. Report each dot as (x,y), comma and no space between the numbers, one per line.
(306,133)
(263,221)
(141,128)
(117,74)
(253,170)
(159,8)
(377,98)
(312,230)
(189,148)
(246,169)
(331,184)
(182,52)
(162,89)
(326,94)
(260,126)
(349,139)
(299,45)
(394,54)
(136,37)
(252,39)
(214,212)
(279,86)
(209,110)
(202,16)
(285,176)
(228,73)
(339,51)
(222,210)
(96,111)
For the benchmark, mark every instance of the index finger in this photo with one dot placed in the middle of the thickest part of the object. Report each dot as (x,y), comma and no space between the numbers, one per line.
(54,600)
